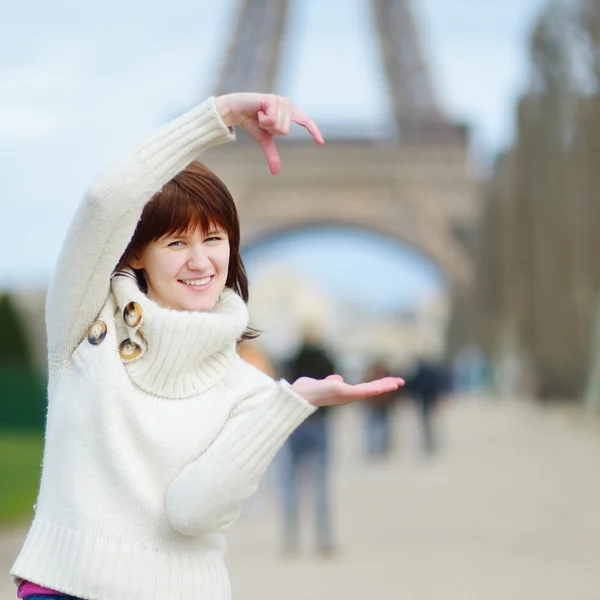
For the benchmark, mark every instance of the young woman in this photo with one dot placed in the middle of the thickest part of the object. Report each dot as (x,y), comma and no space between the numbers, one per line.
(157,432)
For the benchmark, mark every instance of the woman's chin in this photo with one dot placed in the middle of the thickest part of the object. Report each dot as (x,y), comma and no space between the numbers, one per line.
(198,304)
(190,301)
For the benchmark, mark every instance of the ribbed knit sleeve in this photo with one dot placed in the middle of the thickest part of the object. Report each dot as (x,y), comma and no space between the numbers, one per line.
(106,219)
(208,495)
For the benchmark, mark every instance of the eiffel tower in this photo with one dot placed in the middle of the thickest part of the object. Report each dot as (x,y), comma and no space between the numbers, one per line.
(417,188)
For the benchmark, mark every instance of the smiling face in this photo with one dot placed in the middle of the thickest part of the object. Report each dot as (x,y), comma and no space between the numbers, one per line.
(186,246)
(187,271)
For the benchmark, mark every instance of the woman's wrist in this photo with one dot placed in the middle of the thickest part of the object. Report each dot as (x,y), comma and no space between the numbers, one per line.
(224,109)
(300,388)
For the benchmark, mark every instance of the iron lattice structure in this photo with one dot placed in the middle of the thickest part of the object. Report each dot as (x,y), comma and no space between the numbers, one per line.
(252,59)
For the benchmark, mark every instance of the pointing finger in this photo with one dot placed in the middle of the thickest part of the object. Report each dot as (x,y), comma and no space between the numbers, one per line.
(305,121)
(266,142)
(271,154)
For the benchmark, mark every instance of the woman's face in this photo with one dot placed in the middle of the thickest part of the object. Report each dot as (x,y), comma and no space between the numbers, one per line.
(188,271)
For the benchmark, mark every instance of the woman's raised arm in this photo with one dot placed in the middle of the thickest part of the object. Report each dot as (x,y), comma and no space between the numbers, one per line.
(106,219)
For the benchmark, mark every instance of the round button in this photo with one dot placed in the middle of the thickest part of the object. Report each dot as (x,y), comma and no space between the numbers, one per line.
(129,350)
(96,332)
(132,314)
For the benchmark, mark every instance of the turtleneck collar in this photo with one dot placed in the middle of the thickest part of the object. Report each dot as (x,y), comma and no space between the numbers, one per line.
(171,353)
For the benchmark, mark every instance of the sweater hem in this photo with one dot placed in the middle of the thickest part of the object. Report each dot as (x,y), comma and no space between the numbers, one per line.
(83,565)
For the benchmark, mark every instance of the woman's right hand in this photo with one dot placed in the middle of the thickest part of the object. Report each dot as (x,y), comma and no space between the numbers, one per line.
(263,116)
(334,391)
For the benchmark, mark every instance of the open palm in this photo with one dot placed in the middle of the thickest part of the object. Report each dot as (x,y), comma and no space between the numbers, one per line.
(333,390)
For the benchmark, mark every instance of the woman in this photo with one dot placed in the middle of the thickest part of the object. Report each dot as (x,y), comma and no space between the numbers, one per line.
(157,431)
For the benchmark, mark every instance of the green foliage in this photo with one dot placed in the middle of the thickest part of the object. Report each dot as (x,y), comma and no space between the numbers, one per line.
(14,347)
(20,467)
(22,399)
(22,388)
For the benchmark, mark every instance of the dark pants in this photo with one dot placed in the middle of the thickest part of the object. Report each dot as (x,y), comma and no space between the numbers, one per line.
(378,434)
(427,406)
(307,450)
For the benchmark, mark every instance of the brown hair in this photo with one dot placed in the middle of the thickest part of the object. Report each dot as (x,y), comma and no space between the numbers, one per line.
(196,197)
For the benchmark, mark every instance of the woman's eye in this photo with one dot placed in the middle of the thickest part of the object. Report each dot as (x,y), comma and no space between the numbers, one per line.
(176,244)
(213,239)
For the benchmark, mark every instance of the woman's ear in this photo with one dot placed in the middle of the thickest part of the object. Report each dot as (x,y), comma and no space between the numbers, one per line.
(136,263)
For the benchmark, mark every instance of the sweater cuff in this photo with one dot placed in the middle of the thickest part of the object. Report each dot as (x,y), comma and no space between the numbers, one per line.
(172,147)
(273,422)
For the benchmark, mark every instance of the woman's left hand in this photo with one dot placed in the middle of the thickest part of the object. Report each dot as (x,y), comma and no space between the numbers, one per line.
(333,391)
(264,116)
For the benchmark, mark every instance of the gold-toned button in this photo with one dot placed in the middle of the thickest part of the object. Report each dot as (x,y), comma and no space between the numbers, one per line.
(132,314)
(96,332)
(129,350)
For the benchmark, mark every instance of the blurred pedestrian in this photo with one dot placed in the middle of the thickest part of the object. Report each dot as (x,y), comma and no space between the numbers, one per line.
(255,356)
(378,428)
(426,384)
(308,452)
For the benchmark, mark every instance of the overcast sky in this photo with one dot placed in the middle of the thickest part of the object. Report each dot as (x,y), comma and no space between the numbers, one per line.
(80,83)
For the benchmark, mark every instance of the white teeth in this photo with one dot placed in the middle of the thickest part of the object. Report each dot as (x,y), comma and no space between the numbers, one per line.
(203,281)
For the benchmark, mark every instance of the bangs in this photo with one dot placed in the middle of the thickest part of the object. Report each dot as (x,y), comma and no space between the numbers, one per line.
(173,217)
(184,205)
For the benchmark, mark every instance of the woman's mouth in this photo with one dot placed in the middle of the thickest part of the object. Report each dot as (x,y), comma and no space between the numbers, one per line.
(197,284)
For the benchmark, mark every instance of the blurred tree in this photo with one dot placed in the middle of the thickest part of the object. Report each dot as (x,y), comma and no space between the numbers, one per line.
(538,278)
(22,388)
(547,124)
(14,348)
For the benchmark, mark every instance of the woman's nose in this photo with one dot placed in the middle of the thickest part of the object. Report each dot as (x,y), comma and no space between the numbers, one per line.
(199,259)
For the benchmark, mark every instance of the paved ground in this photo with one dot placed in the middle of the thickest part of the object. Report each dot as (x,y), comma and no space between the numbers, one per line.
(510,508)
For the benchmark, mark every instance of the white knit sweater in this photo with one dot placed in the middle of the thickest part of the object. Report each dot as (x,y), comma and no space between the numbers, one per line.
(146,462)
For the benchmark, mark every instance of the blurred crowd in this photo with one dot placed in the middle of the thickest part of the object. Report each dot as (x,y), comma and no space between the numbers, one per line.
(305,461)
